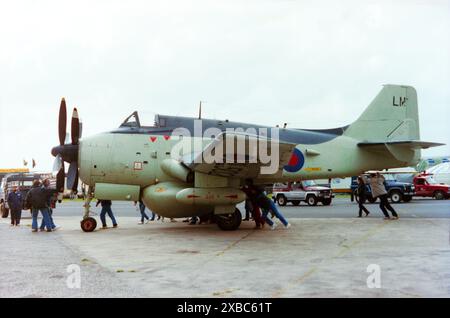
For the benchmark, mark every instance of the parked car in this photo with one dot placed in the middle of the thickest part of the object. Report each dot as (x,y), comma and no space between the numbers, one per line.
(397,191)
(296,192)
(426,186)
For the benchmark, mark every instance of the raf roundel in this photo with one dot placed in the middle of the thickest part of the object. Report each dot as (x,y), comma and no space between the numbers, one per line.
(296,162)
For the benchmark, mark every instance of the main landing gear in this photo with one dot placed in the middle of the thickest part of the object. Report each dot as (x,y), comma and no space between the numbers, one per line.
(88,224)
(229,222)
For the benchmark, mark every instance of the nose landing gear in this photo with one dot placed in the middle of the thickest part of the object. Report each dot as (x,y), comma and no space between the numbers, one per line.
(88,224)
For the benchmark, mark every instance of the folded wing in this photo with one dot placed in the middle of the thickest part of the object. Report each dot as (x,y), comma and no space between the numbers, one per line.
(241,155)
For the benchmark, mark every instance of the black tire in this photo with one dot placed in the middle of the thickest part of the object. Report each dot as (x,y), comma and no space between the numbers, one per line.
(326,201)
(88,224)
(371,199)
(311,200)
(396,196)
(281,200)
(229,222)
(407,198)
(296,202)
(439,195)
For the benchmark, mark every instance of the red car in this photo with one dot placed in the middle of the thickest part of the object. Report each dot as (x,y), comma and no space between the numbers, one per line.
(426,186)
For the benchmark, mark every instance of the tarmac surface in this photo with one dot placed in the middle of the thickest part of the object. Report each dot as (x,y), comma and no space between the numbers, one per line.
(316,257)
(340,208)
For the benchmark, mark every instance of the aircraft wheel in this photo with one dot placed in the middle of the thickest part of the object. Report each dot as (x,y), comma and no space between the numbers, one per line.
(88,224)
(326,201)
(229,222)
(296,202)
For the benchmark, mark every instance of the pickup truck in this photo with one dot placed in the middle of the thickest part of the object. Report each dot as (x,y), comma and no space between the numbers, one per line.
(307,191)
(426,186)
(397,191)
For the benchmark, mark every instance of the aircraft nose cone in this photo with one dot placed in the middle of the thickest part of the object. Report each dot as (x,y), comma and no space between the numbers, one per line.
(56,151)
(68,152)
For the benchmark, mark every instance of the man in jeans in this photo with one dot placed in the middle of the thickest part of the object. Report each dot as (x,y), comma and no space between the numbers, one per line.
(106,209)
(379,190)
(38,198)
(258,195)
(144,215)
(46,184)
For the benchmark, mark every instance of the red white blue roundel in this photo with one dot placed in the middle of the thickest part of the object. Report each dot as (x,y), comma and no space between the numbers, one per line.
(296,162)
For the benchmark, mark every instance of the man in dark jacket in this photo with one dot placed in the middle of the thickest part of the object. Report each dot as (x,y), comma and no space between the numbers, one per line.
(253,206)
(15,202)
(258,195)
(362,194)
(46,184)
(38,198)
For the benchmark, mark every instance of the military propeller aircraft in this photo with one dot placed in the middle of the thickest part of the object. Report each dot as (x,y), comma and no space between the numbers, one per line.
(136,162)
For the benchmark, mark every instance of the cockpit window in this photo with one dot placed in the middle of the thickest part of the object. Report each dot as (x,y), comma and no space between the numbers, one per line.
(132,121)
(161,122)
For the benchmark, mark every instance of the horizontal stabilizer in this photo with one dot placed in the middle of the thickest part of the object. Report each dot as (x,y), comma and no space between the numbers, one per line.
(413,144)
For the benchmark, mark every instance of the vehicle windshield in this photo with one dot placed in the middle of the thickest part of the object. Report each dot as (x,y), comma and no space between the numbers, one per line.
(309,183)
(431,180)
(389,177)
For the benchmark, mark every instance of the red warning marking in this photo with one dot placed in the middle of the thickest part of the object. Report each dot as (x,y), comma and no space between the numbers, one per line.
(153,139)
(231,196)
(166,137)
(193,196)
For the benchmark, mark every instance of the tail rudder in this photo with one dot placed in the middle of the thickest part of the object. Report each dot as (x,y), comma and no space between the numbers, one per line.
(390,125)
(391,116)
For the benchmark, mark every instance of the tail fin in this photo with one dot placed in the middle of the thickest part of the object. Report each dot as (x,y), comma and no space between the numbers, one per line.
(390,125)
(391,116)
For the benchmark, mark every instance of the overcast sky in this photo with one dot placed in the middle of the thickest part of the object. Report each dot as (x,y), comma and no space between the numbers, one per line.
(312,64)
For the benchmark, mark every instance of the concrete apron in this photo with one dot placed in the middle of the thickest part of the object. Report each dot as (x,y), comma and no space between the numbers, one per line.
(314,258)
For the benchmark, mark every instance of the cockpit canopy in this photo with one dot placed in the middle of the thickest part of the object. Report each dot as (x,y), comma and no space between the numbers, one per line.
(133,121)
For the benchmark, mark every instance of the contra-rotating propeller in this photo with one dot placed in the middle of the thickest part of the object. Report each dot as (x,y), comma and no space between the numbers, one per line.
(67,152)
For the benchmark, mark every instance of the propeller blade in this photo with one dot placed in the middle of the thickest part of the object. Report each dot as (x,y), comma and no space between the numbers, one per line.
(75,128)
(75,186)
(60,179)
(57,164)
(62,122)
(81,130)
(72,175)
